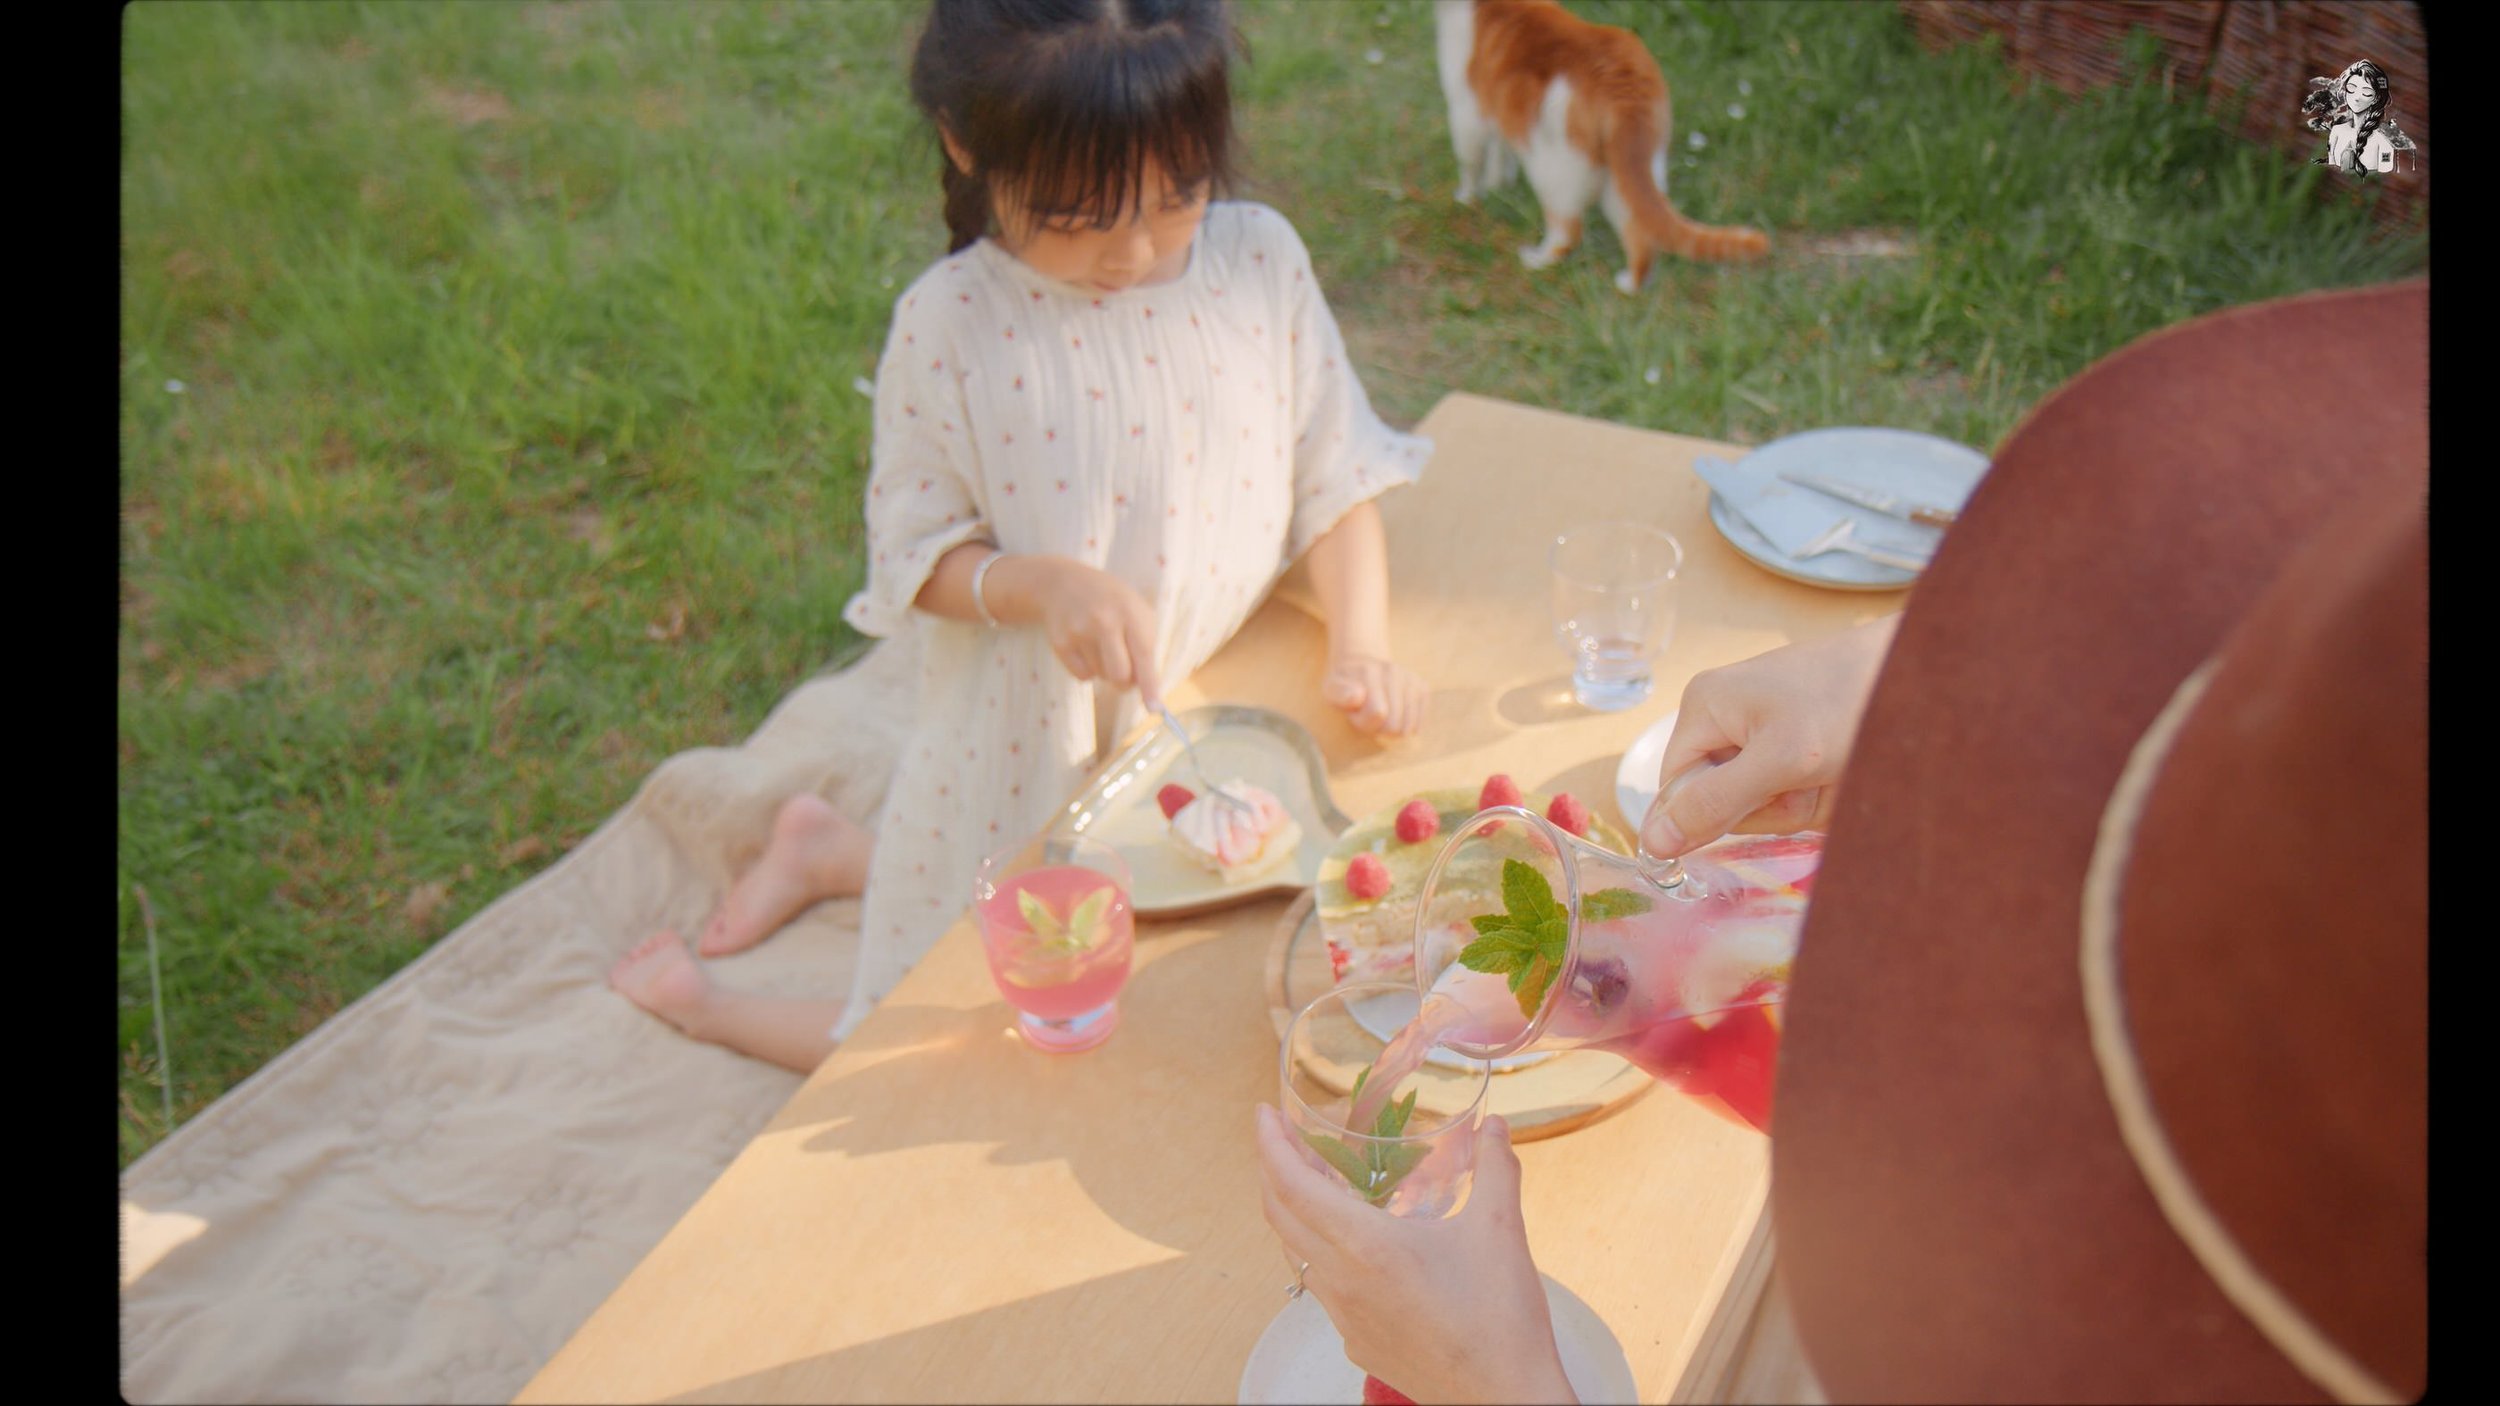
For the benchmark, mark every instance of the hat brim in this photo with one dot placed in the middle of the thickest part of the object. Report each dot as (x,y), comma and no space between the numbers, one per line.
(1959,1217)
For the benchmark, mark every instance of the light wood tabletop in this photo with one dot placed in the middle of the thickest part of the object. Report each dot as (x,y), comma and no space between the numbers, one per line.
(942,1214)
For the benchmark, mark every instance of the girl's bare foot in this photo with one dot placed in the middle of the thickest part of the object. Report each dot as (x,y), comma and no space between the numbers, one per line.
(662,977)
(816,853)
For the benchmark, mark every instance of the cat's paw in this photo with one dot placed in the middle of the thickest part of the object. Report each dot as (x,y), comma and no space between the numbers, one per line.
(1625,283)
(1537,256)
(1466,194)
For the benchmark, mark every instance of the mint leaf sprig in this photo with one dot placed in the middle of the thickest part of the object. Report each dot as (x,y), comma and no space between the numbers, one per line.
(1378,1166)
(1530,940)
(1080,932)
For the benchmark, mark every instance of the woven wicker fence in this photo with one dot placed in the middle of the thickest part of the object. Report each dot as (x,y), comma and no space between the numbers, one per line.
(2269,49)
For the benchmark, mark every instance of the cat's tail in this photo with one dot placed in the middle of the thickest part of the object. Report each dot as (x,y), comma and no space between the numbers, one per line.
(1635,136)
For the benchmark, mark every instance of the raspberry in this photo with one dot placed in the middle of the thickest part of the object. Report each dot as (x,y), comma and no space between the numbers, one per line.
(1499,790)
(1418,822)
(1570,814)
(1173,797)
(1367,878)
(1379,1393)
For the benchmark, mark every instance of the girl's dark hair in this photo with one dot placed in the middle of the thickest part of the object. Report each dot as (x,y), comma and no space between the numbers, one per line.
(1068,102)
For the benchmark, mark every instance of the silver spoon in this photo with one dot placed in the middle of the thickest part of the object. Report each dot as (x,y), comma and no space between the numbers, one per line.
(1206,783)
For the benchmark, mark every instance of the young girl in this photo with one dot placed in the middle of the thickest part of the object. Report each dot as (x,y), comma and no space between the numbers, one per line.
(1105,423)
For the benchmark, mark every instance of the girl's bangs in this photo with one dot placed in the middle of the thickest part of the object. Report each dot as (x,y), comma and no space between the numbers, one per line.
(1096,124)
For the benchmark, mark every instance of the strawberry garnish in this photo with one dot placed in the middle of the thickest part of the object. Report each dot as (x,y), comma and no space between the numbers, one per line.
(1172,797)
(1379,1393)
(1367,878)
(1499,790)
(1570,813)
(1418,822)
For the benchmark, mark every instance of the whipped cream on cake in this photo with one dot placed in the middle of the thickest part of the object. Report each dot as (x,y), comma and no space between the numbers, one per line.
(1237,842)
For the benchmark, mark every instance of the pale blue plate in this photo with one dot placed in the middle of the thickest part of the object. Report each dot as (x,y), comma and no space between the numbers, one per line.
(1920,467)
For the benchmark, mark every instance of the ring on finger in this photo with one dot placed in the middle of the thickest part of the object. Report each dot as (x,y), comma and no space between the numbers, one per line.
(1294,1290)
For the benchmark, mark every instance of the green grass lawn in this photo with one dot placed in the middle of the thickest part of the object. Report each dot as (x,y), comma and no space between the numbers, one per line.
(489,430)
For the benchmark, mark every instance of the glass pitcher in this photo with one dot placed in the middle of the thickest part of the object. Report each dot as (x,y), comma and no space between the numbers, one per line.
(1528,937)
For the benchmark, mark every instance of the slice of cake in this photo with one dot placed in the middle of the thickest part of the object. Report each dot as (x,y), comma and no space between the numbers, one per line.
(1370,883)
(1236,842)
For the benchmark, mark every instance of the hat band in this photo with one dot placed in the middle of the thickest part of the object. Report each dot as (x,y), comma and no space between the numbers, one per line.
(2265,1305)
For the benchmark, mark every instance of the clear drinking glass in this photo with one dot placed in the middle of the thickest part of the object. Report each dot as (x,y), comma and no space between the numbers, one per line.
(1417,1109)
(1614,608)
(1398,1125)
(1056,926)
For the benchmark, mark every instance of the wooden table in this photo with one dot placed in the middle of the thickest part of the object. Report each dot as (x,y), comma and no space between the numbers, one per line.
(941,1214)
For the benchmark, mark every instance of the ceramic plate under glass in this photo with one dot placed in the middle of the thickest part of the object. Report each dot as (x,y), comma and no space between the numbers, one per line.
(1636,776)
(1301,1359)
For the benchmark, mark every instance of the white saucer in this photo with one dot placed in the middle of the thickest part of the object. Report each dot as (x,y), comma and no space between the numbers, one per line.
(1636,776)
(1301,1359)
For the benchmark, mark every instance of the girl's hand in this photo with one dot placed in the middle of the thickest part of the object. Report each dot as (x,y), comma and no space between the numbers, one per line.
(1097,624)
(1442,1310)
(1781,724)
(1377,696)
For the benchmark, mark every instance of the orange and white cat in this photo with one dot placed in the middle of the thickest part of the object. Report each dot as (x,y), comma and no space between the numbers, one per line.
(1582,108)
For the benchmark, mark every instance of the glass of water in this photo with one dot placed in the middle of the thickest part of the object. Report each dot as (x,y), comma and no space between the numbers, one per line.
(1614,608)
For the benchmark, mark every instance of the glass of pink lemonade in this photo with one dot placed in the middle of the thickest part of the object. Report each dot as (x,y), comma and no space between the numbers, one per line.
(1055,924)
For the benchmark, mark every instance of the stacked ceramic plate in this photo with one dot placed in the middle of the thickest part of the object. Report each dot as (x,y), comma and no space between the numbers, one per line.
(1853,508)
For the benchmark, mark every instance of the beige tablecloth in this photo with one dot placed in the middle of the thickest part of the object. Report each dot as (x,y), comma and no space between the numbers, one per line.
(423,1198)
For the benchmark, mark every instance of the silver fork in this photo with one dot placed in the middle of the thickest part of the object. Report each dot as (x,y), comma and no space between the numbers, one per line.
(1206,784)
(1837,539)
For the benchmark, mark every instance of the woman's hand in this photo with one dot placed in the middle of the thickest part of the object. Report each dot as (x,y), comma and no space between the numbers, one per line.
(1443,1310)
(1781,725)
(1097,624)
(1376,695)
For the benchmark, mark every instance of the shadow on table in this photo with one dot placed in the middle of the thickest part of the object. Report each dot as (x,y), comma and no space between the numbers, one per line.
(1155,1124)
(1540,702)
(1097,1352)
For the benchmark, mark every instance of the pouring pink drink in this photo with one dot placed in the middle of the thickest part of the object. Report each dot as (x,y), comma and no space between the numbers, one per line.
(1531,938)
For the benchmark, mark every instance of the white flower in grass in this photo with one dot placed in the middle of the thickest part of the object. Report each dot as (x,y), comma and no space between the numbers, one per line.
(1736,110)
(1651,375)
(1745,86)
(1373,56)
(1696,140)
(175,388)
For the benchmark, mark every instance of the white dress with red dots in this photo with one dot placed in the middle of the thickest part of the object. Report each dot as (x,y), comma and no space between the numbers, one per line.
(1192,438)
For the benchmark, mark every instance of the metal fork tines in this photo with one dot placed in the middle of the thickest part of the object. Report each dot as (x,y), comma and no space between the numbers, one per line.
(1206,783)
(1838,539)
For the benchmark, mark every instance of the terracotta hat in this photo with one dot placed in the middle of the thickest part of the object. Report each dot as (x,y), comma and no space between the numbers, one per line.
(2106,1060)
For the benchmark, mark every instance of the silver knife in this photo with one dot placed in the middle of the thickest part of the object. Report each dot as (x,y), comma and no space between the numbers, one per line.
(1886,503)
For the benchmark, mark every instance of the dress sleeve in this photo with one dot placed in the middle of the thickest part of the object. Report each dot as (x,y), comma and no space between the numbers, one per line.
(924,488)
(1343,454)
